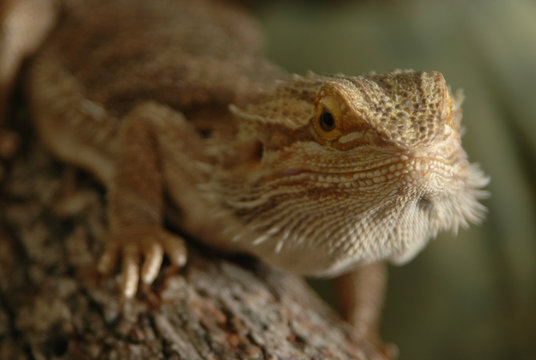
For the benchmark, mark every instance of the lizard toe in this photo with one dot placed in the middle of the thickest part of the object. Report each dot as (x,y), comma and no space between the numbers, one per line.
(143,245)
(175,248)
(154,255)
(130,271)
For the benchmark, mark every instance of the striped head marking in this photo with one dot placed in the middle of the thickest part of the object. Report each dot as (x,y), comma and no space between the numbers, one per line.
(349,170)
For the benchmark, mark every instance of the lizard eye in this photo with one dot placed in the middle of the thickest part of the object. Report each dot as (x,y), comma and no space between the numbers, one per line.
(326,121)
(326,124)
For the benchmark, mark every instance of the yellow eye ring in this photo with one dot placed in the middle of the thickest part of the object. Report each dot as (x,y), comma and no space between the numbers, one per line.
(326,124)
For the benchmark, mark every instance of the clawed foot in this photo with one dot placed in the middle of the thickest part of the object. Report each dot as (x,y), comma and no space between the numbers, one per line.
(373,351)
(370,337)
(134,243)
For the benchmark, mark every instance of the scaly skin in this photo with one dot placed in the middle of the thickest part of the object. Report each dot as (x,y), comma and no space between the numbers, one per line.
(386,174)
(320,175)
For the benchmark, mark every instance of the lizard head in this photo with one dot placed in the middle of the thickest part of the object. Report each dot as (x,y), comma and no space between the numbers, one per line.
(341,171)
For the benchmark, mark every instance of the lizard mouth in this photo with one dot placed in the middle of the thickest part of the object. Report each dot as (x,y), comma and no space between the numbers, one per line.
(384,169)
(431,172)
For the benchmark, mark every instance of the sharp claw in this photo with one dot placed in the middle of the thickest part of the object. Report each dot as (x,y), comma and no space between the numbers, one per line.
(107,260)
(180,259)
(176,250)
(130,273)
(152,246)
(152,263)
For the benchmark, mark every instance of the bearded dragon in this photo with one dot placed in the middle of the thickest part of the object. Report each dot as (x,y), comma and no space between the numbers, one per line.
(171,105)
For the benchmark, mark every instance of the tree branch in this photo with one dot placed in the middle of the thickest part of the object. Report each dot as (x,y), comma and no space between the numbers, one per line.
(54,305)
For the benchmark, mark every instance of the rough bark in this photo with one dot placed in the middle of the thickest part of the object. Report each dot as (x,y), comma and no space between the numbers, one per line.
(53,305)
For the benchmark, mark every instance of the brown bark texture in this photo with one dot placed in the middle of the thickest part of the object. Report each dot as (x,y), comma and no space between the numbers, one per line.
(54,305)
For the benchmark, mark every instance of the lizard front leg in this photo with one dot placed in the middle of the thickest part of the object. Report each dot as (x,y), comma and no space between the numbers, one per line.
(136,197)
(361,294)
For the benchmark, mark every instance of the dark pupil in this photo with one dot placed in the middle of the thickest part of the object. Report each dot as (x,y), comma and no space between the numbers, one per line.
(327,123)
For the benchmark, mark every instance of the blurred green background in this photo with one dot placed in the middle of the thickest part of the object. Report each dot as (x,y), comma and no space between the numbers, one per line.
(471,296)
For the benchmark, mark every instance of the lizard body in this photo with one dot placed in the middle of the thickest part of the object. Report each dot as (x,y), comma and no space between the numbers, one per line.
(319,175)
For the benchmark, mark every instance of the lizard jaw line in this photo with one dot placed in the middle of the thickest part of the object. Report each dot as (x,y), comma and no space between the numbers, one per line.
(397,167)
